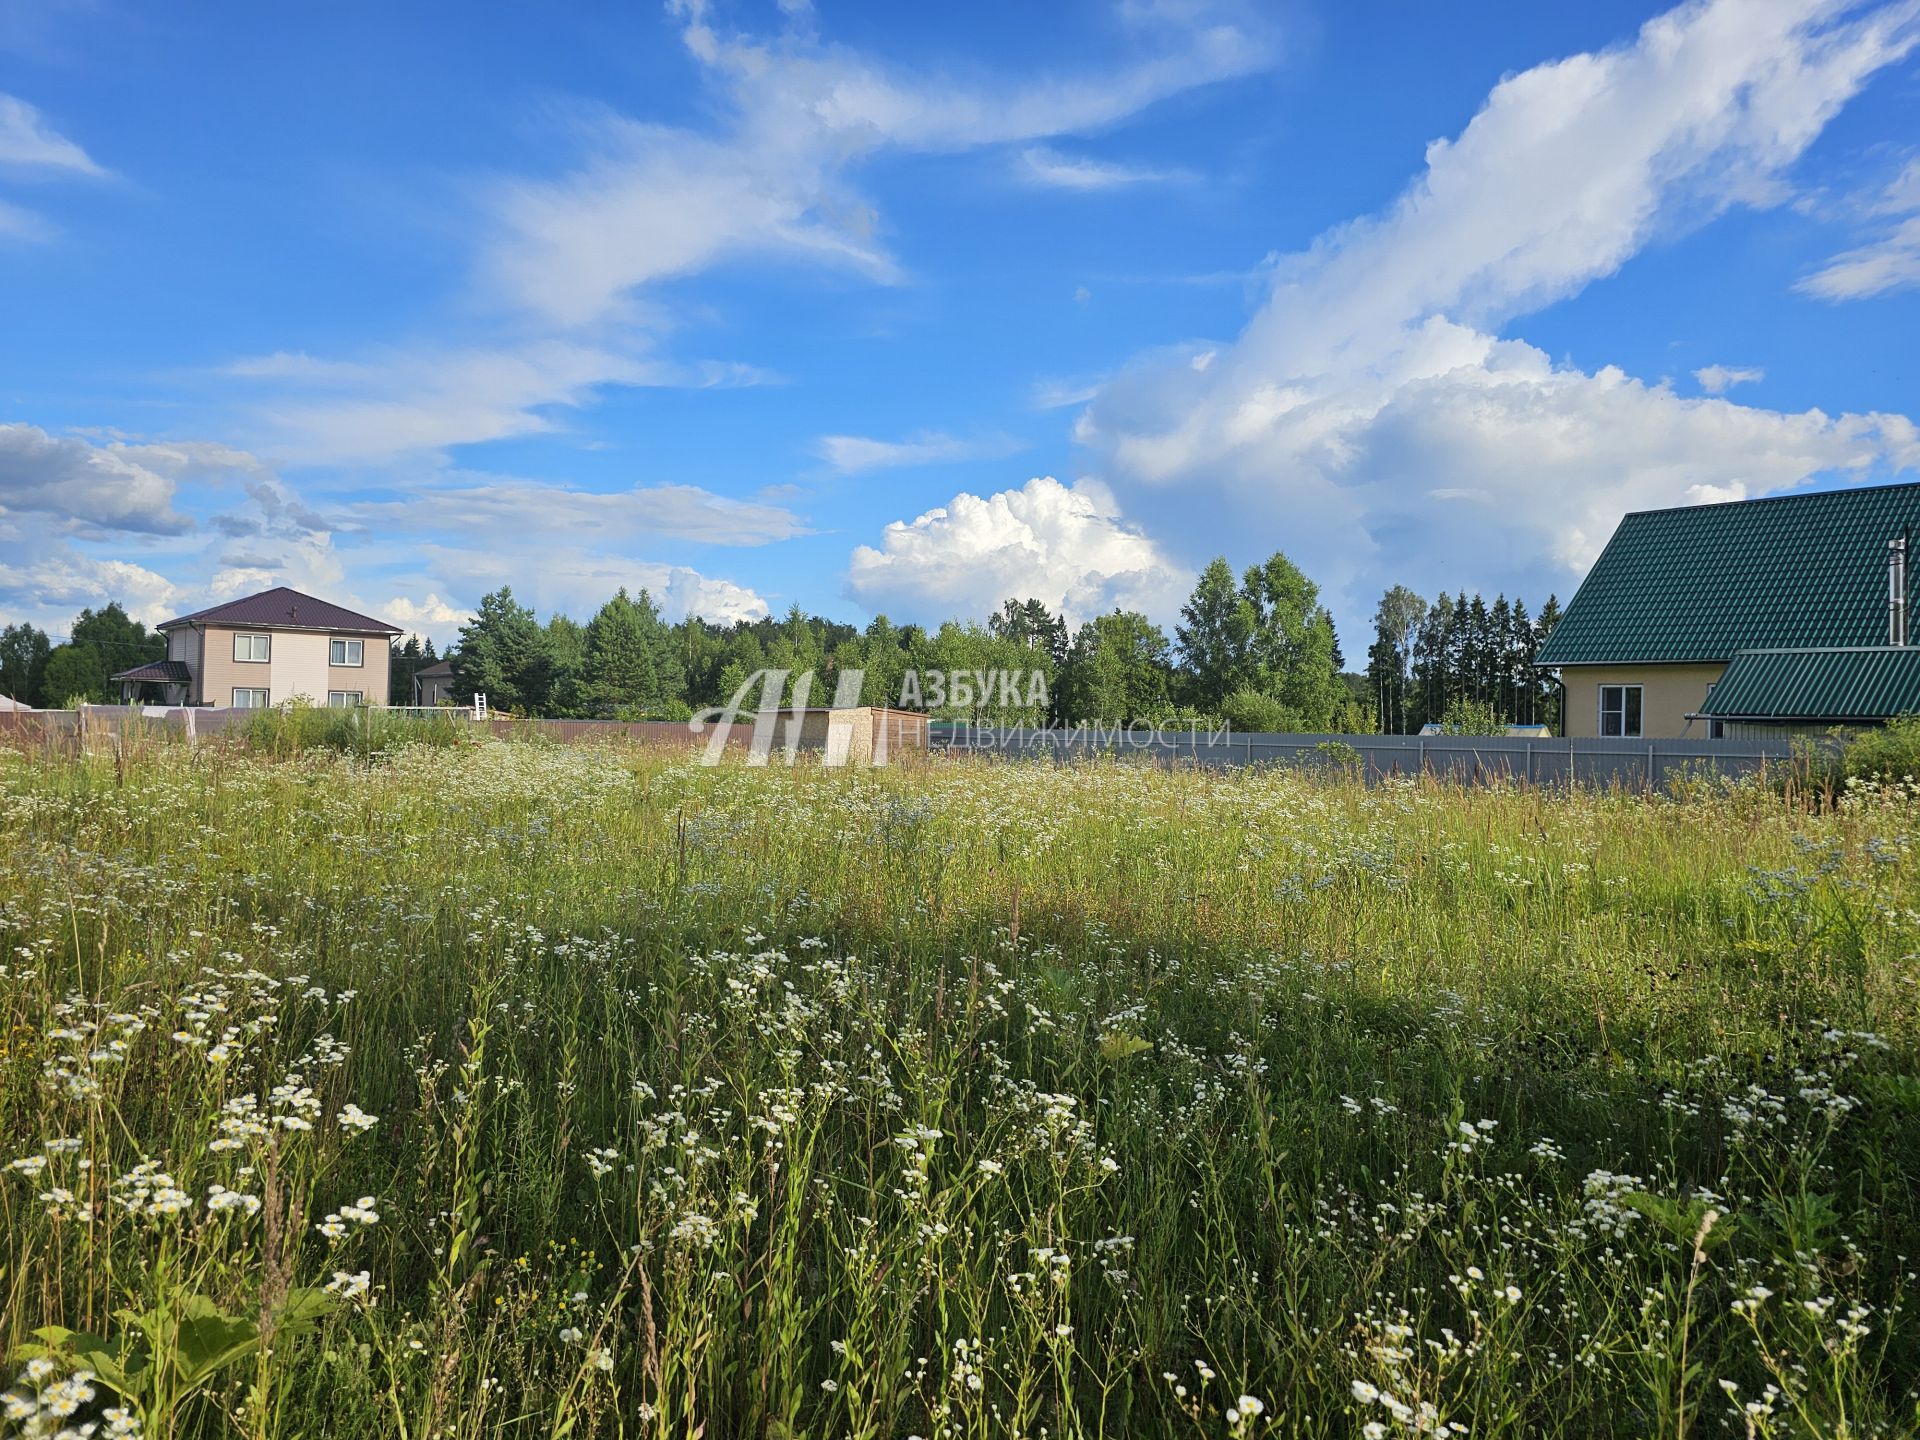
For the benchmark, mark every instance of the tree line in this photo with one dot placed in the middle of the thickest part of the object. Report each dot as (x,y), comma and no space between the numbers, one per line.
(1256,649)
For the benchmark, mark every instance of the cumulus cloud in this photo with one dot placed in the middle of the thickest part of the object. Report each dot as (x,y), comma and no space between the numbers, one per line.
(1718,379)
(1373,376)
(852,454)
(1064,544)
(430,616)
(577,582)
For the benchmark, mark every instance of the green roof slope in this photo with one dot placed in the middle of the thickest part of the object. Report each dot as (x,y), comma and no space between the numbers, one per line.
(1707,581)
(1867,683)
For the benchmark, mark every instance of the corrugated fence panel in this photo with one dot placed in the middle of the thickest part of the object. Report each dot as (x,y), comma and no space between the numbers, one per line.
(1633,763)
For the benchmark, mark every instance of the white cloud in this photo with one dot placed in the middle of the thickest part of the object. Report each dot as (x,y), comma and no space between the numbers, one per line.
(853,454)
(577,582)
(31,148)
(88,487)
(27,142)
(1369,380)
(326,411)
(432,616)
(655,202)
(493,511)
(576,258)
(1890,260)
(1066,545)
(1718,379)
(1889,263)
(1041,165)
(49,589)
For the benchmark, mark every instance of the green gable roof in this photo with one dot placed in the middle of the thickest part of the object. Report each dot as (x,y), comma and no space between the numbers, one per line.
(1867,683)
(1707,581)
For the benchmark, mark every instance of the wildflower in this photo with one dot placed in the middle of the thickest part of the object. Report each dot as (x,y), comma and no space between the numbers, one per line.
(572,1335)
(1363,1392)
(600,1358)
(356,1121)
(221,1199)
(350,1286)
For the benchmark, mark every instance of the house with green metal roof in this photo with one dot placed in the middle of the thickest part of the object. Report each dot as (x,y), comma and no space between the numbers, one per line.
(1709,620)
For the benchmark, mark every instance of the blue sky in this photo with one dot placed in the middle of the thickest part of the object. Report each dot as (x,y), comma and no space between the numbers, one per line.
(907,309)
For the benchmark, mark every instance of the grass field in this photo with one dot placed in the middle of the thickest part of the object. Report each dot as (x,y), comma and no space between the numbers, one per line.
(513,1090)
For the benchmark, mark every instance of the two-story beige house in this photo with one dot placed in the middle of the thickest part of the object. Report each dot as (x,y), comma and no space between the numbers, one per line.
(268,648)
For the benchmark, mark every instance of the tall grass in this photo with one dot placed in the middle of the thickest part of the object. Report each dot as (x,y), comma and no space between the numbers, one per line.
(510,1090)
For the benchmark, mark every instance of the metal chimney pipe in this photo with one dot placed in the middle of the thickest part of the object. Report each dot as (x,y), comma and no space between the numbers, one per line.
(1897,591)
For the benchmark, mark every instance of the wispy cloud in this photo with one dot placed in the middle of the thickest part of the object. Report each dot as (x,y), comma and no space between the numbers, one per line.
(853,454)
(30,148)
(654,202)
(576,257)
(28,142)
(1039,165)
(1890,258)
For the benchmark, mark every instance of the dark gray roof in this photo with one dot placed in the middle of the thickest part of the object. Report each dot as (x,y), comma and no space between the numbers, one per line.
(283,609)
(170,672)
(435,670)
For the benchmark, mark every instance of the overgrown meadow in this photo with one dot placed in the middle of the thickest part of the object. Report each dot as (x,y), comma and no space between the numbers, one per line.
(510,1090)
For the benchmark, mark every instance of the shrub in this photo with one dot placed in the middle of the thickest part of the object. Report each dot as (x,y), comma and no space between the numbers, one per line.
(1887,752)
(360,730)
(1472,717)
(1253,713)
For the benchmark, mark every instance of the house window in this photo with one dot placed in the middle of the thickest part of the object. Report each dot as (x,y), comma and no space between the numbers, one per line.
(346,652)
(249,699)
(344,699)
(252,649)
(1620,710)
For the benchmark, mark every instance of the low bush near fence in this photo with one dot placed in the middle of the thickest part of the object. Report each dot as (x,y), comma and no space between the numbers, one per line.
(507,1090)
(359,730)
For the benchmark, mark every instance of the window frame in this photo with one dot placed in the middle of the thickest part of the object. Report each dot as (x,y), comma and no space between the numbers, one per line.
(266,697)
(346,699)
(251,659)
(1621,712)
(347,647)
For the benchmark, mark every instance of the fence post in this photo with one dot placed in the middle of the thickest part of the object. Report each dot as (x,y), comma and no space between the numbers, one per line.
(1649,767)
(1529,762)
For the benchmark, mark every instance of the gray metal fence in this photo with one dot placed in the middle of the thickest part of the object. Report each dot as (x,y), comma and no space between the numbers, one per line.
(1467,758)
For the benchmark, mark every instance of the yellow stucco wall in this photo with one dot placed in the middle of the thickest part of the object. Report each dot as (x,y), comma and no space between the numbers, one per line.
(1668,693)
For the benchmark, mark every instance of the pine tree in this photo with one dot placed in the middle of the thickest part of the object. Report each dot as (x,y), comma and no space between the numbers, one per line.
(617,676)
(503,655)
